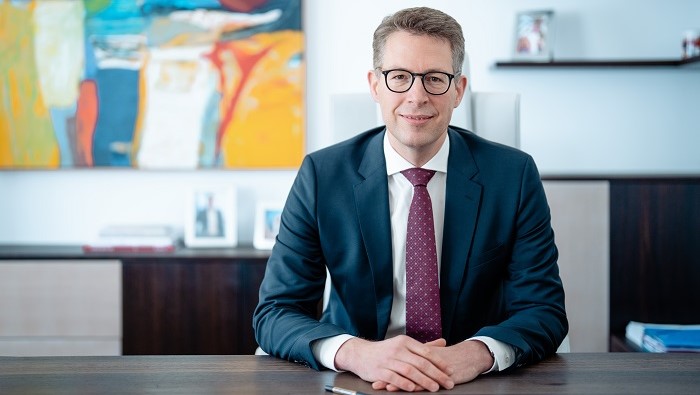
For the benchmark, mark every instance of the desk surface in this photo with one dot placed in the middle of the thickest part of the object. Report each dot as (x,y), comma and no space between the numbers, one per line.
(610,373)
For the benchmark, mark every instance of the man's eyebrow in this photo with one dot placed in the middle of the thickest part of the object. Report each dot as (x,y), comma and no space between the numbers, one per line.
(418,72)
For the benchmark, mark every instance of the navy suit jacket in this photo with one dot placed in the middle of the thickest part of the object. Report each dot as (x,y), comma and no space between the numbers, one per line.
(499,273)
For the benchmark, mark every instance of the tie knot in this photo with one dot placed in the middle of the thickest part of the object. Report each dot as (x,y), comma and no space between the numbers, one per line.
(418,176)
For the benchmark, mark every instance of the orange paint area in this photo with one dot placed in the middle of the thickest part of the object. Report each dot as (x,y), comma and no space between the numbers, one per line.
(85,120)
(262,103)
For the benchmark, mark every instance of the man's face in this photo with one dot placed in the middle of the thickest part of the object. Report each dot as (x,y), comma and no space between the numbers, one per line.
(416,120)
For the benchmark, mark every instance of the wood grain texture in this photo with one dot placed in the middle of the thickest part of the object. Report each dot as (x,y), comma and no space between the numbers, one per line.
(655,252)
(587,373)
(186,307)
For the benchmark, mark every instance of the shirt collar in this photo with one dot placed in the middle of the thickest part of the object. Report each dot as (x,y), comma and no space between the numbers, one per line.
(396,163)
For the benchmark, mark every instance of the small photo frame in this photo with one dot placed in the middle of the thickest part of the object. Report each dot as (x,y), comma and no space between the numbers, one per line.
(210,219)
(267,224)
(534,35)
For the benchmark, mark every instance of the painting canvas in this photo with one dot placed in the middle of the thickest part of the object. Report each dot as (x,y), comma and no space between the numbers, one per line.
(151,84)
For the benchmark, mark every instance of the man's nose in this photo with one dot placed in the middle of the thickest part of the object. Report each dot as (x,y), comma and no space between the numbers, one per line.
(417,91)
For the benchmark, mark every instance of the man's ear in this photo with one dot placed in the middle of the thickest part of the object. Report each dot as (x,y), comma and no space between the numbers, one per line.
(373,81)
(461,86)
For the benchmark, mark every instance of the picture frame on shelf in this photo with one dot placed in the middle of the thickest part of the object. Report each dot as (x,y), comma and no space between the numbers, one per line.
(534,35)
(267,224)
(210,219)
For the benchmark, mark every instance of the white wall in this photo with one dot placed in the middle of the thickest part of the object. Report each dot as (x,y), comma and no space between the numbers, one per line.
(574,121)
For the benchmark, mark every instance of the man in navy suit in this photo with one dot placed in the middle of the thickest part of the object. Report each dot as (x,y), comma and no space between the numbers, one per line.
(501,298)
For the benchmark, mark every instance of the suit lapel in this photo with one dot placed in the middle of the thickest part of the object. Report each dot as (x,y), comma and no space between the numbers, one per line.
(372,200)
(462,199)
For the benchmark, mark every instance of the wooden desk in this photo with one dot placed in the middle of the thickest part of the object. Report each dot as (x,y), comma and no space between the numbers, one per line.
(588,373)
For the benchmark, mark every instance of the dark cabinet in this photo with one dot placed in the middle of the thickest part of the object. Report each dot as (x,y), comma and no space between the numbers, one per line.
(190,306)
(188,302)
(654,253)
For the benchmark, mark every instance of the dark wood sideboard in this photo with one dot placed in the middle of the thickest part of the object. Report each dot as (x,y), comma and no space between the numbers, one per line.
(654,263)
(654,253)
(189,302)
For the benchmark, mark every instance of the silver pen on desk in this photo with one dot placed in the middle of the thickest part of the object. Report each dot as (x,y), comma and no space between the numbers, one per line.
(342,391)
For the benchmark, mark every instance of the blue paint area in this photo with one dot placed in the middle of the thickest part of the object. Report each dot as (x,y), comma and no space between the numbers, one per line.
(291,14)
(117,95)
(289,20)
(63,120)
(120,17)
(210,127)
(118,9)
(295,61)
(150,6)
(90,72)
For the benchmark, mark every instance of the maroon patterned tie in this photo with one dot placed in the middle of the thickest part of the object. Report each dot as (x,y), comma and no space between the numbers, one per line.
(423,321)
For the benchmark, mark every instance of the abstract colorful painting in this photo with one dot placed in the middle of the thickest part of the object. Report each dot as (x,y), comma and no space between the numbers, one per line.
(151,84)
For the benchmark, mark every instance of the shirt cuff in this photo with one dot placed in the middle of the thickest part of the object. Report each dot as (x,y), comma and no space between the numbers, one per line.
(324,350)
(503,353)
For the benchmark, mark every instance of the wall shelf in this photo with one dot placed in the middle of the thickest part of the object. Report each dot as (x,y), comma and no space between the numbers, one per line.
(691,63)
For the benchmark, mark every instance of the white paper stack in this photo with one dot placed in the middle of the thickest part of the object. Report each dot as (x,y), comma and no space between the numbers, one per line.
(134,238)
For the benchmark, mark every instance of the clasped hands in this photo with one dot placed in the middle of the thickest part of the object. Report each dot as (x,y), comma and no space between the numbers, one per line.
(402,363)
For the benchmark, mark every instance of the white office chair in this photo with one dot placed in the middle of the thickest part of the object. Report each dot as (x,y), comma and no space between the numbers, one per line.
(492,115)
(565,345)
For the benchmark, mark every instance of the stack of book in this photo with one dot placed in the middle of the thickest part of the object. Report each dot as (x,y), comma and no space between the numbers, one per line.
(664,337)
(134,238)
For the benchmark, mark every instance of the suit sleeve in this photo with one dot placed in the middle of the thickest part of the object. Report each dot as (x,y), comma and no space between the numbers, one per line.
(285,321)
(532,290)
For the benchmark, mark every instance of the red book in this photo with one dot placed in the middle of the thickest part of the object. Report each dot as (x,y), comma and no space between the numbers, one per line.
(127,248)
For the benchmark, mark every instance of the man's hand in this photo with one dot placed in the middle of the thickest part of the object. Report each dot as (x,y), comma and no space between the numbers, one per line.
(399,363)
(467,360)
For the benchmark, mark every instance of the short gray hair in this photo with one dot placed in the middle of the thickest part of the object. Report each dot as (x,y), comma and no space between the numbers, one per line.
(422,21)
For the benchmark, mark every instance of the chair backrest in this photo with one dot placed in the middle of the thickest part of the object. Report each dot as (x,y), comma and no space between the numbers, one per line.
(352,113)
(492,115)
(496,116)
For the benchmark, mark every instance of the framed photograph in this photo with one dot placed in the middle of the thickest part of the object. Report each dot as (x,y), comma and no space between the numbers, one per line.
(534,35)
(267,224)
(210,219)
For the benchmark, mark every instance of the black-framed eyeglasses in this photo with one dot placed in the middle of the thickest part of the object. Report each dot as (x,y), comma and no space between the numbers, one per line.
(434,82)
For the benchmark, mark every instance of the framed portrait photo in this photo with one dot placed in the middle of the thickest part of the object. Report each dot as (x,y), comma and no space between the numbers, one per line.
(534,35)
(210,219)
(267,224)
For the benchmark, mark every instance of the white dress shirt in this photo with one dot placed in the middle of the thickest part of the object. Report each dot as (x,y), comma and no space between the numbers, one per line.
(400,196)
